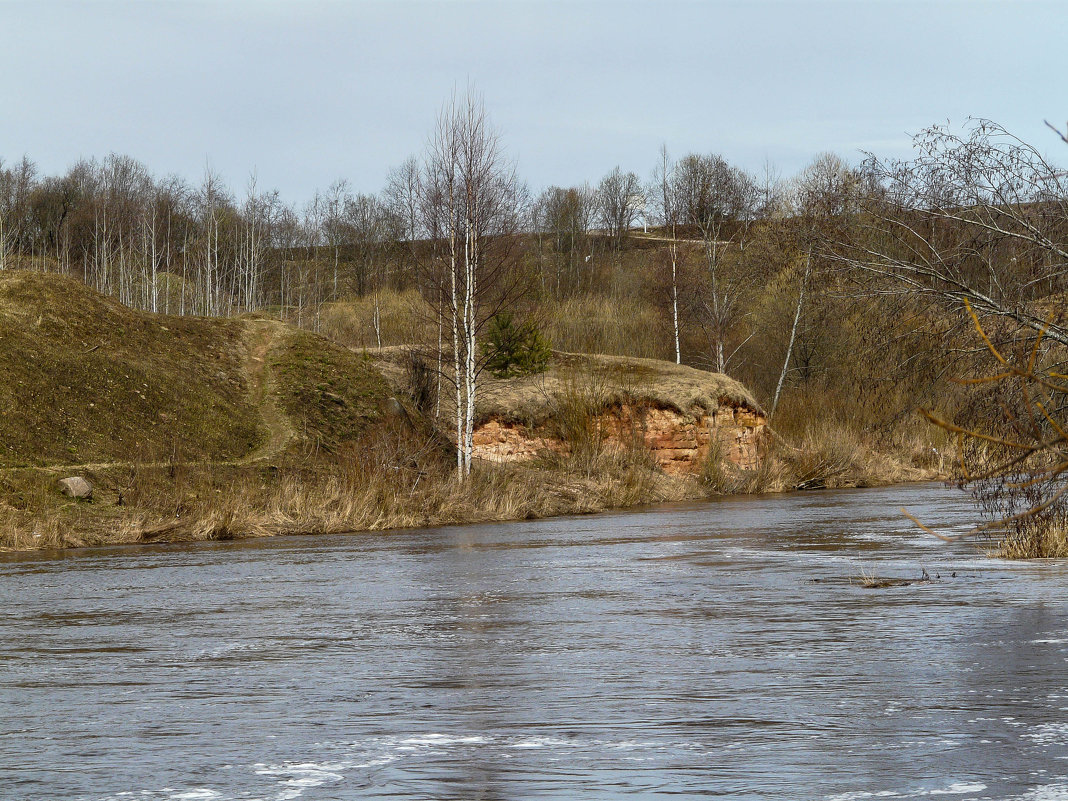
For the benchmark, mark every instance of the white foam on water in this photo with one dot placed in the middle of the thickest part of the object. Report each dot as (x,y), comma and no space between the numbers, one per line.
(444,739)
(959,788)
(296,777)
(956,788)
(1048,734)
(539,742)
(225,650)
(1049,792)
(375,763)
(629,745)
(199,794)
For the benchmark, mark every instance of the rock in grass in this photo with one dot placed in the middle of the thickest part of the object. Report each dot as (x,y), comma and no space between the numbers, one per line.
(76,487)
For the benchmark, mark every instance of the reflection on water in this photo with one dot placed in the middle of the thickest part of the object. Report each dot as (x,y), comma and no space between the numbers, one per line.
(697,650)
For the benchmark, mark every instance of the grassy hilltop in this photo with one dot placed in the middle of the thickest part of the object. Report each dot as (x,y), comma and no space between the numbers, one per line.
(89,381)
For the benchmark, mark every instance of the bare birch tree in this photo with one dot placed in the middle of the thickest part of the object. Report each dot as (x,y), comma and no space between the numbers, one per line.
(665,190)
(717,200)
(471,207)
(979,216)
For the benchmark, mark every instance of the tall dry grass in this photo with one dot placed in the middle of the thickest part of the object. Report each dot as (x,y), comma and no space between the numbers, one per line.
(618,326)
(1044,538)
(827,438)
(725,478)
(403,318)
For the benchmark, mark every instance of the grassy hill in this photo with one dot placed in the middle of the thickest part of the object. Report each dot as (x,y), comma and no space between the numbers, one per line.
(89,381)
(179,422)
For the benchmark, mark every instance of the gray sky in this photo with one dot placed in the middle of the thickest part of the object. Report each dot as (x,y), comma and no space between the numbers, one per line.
(305,92)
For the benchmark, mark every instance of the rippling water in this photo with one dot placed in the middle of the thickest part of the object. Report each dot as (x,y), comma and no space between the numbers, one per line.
(713,649)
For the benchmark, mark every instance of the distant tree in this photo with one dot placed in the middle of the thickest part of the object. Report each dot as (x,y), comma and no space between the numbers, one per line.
(366,229)
(665,190)
(335,230)
(718,201)
(16,185)
(619,203)
(825,198)
(370,229)
(259,216)
(566,216)
(979,216)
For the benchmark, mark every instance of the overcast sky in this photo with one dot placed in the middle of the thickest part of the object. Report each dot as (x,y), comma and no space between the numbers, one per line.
(305,92)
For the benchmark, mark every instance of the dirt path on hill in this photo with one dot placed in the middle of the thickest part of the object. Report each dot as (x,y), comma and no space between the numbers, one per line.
(261,337)
(264,336)
(657,238)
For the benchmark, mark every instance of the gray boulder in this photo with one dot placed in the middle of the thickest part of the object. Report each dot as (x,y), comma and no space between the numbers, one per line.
(76,487)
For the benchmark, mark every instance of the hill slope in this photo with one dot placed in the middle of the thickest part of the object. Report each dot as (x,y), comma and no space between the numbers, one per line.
(89,381)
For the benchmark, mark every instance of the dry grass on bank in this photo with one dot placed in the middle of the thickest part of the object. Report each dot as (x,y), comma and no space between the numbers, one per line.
(357,490)
(535,399)
(824,440)
(619,380)
(1046,538)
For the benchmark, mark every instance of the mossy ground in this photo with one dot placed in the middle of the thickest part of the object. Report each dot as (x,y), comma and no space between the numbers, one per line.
(331,394)
(88,380)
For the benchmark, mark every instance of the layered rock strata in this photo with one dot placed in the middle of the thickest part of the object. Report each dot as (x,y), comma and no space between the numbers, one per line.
(678,443)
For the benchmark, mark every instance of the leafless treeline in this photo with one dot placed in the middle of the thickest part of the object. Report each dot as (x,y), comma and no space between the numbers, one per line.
(978,215)
(164,244)
(844,286)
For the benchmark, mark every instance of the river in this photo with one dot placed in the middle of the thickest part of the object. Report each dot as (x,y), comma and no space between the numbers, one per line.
(718,649)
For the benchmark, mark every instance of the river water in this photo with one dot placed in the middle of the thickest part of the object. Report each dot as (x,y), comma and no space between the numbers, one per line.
(722,649)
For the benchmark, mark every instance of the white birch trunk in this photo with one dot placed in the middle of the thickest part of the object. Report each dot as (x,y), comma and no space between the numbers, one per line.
(793,336)
(675,296)
(470,266)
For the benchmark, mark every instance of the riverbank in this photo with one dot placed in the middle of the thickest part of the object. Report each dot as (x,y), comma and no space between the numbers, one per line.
(193,429)
(186,503)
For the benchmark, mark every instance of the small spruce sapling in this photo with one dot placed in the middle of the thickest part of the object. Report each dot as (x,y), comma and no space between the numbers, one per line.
(515,349)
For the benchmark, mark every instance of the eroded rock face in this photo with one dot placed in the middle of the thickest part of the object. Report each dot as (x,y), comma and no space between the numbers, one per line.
(678,443)
(503,442)
(681,444)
